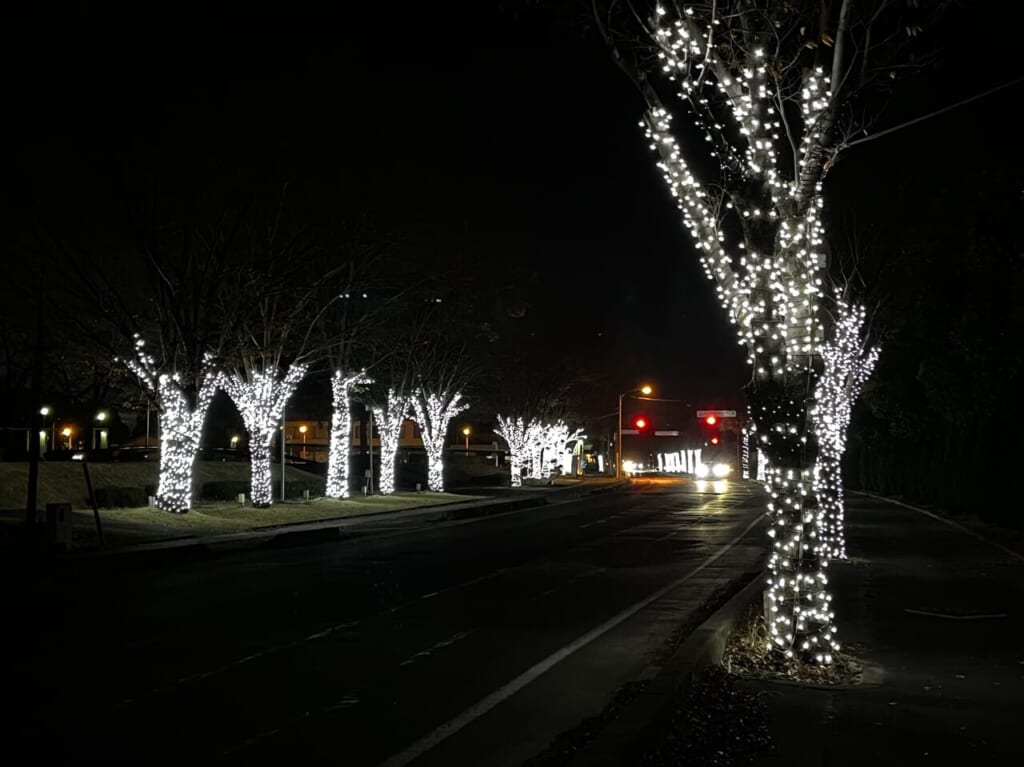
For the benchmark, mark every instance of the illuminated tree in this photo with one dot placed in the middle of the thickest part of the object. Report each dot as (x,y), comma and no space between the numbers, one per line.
(847,365)
(354,299)
(553,439)
(389,418)
(176,325)
(273,297)
(261,396)
(520,435)
(768,90)
(341,432)
(433,412)
(181,424)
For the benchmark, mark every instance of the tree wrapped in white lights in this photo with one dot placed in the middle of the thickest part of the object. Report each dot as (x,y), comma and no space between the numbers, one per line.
(755,78)
(182,414)
(389,419)
(554,437)
(521,435)
(261,396)
(847,365)
(433,412)
(341,432)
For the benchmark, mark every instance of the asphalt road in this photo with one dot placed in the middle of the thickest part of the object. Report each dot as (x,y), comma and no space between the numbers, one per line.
(472,642)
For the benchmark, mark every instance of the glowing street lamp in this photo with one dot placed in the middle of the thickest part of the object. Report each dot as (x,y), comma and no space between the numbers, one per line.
(45,411)
(99,434)
(645,390)
(66,433)
(234,441)
(302,430)
(465,433)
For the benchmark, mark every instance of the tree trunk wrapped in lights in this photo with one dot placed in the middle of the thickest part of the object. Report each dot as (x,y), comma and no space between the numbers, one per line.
(433,413)
(181,425)
(341,433)
(767,115)
(847,365)
(260,397)
(389,430)
(519,435)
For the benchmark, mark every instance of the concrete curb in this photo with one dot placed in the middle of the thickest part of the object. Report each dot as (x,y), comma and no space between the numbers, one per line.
(311,533)
(623,739)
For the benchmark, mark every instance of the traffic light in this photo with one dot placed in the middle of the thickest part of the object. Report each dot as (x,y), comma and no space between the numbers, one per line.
(640,423)
(711,433)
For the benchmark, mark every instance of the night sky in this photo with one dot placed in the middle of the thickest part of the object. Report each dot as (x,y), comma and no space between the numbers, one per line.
(506,134)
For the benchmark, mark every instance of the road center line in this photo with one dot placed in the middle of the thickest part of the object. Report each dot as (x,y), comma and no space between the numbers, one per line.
(488,702)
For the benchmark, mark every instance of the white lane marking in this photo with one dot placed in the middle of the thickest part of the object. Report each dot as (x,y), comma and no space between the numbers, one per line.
(322,634)
(485,704)
(955,617)
(437,646)
(951,523)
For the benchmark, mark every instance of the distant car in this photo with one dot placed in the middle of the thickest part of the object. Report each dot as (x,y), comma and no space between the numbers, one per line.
(715,463)
(712,470)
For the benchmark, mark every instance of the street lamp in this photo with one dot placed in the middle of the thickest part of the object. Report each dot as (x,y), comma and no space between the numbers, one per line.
(302,430)
(234,441)
(99,434)
(645,390)
(45,411)
(465,433)
(66,433)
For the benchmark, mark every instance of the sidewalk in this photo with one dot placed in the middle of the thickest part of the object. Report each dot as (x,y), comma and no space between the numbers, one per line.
(937,616)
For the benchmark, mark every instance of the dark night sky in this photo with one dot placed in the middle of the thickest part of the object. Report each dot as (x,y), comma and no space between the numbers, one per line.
(496,131)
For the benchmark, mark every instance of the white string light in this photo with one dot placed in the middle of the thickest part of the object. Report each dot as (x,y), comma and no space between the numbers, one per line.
(260,397)
(389,430)
(554,437)
(770,285)
(524,439)
(433,413)
(847,365)
(341,433)
(181,424)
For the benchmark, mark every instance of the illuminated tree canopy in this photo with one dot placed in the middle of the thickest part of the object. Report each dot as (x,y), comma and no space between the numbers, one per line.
(748,104)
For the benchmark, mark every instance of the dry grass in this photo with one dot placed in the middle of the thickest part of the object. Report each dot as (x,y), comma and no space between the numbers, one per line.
(748,654)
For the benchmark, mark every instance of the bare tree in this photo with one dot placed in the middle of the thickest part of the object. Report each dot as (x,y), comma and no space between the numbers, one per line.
(773,92)
(272,293)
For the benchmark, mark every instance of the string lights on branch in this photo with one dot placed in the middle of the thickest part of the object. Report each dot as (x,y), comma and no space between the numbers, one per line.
(389,430)
(341,432)
(433,413)
(769,281)
(260,397)
(182,414)
(847,365)
(520,435)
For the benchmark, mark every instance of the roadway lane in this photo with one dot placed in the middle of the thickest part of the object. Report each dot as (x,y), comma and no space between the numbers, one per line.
(398,647)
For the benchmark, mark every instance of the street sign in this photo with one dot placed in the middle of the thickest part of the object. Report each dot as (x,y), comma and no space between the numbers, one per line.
(630,431)
(718,413)
(667,433)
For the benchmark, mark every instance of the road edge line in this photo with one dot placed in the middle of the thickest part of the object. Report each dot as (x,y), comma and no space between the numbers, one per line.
(939,518)
(484,705)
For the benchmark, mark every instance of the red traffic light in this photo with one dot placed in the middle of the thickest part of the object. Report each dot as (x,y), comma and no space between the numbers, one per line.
(710,420)
(640,423)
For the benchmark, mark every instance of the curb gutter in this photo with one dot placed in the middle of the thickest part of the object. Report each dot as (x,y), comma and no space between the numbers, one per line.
(322,531)
(622,741)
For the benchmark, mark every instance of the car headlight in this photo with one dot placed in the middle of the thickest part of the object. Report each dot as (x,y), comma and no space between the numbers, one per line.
(701,470)
(721,469)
